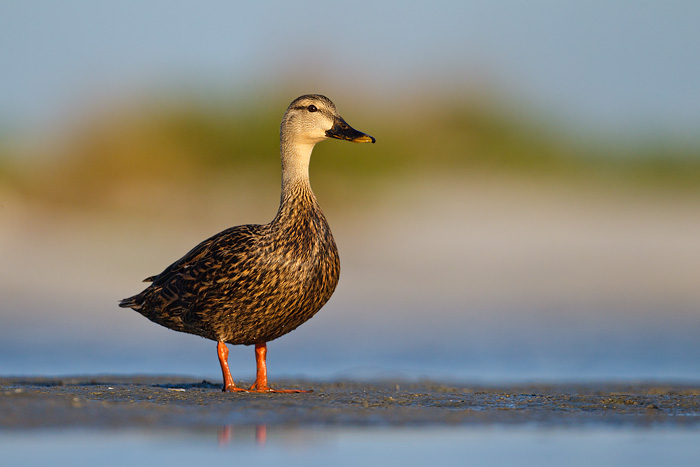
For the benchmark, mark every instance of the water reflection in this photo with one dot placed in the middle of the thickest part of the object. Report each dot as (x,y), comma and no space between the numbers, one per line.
(227,434)
(261,435)
(357,446)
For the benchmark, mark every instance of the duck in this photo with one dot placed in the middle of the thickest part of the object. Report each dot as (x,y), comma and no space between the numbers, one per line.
(254,283)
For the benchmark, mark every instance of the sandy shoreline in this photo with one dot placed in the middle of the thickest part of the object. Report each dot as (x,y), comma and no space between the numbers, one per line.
(108,402)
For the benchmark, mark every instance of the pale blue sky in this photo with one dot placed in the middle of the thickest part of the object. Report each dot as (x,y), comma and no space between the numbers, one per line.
(627,66)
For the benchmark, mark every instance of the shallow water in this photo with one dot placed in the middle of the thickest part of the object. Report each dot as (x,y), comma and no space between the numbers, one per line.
(520,446)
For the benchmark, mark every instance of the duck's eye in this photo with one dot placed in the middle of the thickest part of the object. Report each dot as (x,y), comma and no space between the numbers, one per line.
(312,108)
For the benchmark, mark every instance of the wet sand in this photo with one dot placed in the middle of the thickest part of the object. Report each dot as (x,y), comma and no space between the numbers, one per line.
(108,402)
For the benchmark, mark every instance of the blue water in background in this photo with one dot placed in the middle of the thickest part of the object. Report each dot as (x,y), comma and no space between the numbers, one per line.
(482,346)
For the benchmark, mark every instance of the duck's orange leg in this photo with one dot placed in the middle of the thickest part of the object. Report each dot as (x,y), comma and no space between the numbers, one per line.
(229,385)
(261,374)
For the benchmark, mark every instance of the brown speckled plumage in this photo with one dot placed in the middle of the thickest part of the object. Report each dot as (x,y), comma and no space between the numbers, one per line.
(251,284)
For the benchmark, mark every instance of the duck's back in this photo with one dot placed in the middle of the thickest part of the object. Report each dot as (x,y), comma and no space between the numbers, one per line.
(248,284)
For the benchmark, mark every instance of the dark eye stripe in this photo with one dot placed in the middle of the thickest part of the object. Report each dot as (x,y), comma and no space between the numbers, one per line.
(306,107)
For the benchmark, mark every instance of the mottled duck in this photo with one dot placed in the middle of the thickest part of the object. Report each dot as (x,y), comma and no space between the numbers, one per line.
(251,284)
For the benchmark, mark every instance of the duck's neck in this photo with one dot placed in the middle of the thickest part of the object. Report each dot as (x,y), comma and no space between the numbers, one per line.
(295,163)
(296,188)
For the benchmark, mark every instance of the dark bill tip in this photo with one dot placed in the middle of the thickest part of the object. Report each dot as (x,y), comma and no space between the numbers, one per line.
(341,130)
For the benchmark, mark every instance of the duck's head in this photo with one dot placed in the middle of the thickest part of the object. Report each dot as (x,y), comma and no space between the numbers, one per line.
(313,118)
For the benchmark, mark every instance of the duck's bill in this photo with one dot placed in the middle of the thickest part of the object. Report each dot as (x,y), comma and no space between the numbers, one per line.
(342,130)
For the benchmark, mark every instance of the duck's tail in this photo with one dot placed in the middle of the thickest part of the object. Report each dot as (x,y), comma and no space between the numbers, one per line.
(134,302)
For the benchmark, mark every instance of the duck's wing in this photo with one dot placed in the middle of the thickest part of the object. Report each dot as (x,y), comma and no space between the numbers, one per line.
(199,267)
(196,256)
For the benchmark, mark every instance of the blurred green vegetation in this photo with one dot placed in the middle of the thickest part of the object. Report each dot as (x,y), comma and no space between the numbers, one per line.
(119,159)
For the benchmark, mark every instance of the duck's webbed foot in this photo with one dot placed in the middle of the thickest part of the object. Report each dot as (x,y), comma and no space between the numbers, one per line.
(233,388)
(256,388)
